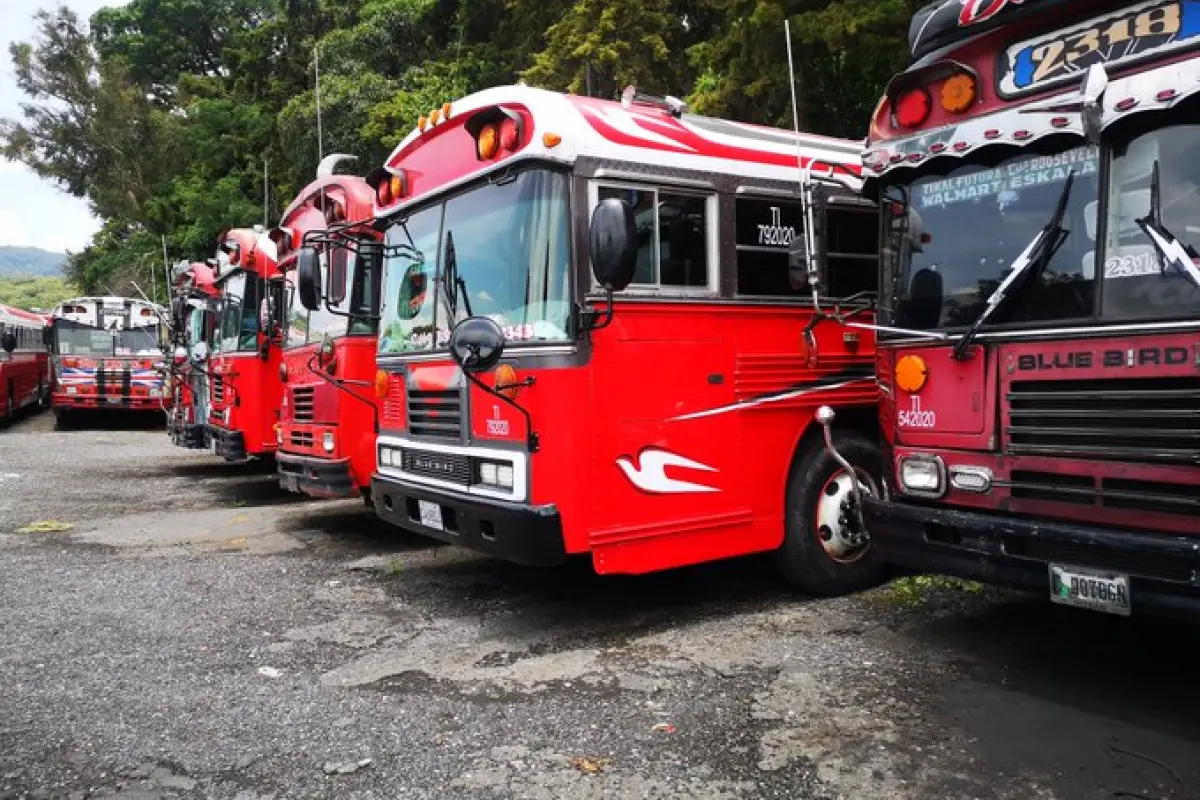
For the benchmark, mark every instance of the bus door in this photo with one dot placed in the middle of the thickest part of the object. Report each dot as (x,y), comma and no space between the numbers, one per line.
(666,437)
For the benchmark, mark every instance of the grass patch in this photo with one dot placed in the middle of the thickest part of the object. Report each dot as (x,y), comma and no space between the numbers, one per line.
(912,591)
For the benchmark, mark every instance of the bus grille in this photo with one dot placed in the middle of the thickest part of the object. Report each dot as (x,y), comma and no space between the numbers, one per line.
(302,404)
(435,413)
(444,466)
(1145,420)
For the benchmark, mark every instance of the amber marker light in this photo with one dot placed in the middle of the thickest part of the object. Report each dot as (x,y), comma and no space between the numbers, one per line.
(381,384)
(958,93)
(489,142)
(506,381)
(912,373)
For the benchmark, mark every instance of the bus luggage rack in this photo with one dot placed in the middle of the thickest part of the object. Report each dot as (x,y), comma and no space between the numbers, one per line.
(302,403)
(1150,420)
(435,413)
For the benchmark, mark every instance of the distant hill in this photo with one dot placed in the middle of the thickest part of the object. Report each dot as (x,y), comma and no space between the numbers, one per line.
(30,262)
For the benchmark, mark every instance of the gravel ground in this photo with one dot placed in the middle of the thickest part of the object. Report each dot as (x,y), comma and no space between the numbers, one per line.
(194,632)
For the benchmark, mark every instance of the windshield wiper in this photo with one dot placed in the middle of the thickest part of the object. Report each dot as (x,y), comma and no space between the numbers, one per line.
(1170,250)
(1031,261)
(453,284)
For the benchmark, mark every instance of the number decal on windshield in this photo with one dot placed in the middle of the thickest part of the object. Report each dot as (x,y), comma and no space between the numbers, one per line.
(1148,28)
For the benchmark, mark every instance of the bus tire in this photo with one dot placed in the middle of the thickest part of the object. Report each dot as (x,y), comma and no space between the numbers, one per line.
(814,556)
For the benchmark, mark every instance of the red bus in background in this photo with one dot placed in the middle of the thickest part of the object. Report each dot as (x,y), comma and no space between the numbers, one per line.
(1037,167)
(106,356)
(194,323)
(328,413)
(670,426)
(24,362)
(245,389)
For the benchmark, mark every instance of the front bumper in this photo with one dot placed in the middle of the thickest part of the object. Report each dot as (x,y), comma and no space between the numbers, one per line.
(316,477)
(106,402)
(189,435)
(230,445)
(516,532)
(1163,569)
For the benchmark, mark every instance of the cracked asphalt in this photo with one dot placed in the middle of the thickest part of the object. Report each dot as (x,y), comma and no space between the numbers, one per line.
(185,629)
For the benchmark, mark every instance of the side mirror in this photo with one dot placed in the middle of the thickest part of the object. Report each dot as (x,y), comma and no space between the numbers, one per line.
(8,340)
(613,244)
(308,277)
(476,344)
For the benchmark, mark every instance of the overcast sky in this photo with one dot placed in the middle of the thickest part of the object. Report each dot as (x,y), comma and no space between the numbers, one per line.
(33,212)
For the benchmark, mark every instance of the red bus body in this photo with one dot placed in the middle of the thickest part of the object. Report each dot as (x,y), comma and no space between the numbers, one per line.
(25,371)
(1059,451)
(673,435)
(327,420)
(106,355)
(245,388)
(193,314)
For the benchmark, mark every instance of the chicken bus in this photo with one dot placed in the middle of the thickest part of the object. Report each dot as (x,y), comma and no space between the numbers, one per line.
(106,356)
(244,385)
(24,362)
(326,435)
(194,318)
(655,409)
(1037,167)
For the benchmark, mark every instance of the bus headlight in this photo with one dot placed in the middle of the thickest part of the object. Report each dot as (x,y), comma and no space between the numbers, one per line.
(327,441)
(923,475)
(496,474)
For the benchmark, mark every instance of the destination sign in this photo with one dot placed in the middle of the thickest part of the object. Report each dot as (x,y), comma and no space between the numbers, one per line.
(1146,29)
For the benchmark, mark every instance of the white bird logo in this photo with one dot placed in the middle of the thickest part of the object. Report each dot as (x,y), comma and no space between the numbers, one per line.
(650,475)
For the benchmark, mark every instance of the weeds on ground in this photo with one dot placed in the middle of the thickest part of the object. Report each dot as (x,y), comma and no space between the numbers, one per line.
(912,591)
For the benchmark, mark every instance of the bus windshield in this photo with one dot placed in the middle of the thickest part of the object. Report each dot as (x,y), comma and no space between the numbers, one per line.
(949,241)
(74,339)
(500,250)
(240,312)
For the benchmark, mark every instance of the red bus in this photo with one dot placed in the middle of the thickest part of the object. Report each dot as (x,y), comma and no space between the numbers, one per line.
(667,425)
(24,363)
(194,318)
(327,420)
(106,356)
(245,389)
(1037,169)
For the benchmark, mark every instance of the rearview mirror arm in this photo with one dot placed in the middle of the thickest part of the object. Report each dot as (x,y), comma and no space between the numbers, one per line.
(531,437)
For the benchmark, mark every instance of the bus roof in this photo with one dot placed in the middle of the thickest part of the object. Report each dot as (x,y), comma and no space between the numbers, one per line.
(563,128)
(10,315)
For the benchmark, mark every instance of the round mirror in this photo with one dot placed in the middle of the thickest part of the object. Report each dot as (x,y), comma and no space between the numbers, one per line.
(613,244)
(476,344)
(8,340)
(308,277)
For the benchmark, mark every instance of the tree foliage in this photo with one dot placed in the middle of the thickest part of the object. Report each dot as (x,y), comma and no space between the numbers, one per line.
(167,115)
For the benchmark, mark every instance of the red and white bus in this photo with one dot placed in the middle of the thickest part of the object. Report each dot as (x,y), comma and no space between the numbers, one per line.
(245,388)
(194,324)
(328,414)
(106,356)
(1038,169)
(671,426)
(24,362)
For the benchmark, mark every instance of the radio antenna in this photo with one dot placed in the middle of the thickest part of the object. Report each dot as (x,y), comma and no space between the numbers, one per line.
(804,178)
(317,97)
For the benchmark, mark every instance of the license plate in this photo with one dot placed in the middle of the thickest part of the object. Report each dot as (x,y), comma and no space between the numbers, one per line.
(431,514)
(1091,589)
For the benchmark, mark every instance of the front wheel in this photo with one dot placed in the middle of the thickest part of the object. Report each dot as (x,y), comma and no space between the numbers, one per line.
(821,552)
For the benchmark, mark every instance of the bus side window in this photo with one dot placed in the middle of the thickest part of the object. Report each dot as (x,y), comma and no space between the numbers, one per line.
(673,236)
(852,251)
(766,229)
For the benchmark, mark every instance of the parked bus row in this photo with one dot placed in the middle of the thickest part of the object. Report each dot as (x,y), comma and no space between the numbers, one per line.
(553,326)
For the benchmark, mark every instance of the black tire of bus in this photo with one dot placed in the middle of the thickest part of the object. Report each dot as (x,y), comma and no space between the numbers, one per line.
(801,558)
